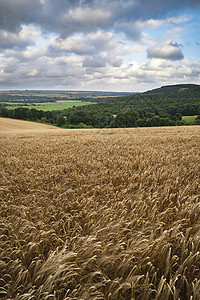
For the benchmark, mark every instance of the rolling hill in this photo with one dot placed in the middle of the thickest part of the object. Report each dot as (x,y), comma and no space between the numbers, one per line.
(14,126)
(166,105)
(185,89)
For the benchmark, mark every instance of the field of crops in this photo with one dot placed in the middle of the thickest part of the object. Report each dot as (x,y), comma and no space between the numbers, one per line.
(100,214)
(18,126)
(189,119)
(48,106)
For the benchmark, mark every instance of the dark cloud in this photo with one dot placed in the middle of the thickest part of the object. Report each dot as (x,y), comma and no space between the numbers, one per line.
(10,40)
(133,10)
(9,17)
(66,16)
(15,13)
(131,30)
(10,68)
(193,3)
(94,62)
(170,51)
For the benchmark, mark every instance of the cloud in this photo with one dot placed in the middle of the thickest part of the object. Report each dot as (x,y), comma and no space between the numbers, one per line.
(9,65)
(131,30)
(102,41)
(94,72)
(89,15)
(96,44)
(13,14)
(114,61)
(169,51)
(179,19)
(94,62)
(66,16)
(22,39)
(90,44)
(76,44)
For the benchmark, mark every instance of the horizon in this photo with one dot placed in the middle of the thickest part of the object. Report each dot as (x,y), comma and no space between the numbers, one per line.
(98,91)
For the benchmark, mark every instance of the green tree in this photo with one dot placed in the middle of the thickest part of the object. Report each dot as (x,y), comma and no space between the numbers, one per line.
(126,119)
(44,120)
(4,112)
(61,120)
(197,121)
(19,113)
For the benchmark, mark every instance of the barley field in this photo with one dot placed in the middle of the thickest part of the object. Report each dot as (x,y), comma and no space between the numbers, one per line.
(100,214)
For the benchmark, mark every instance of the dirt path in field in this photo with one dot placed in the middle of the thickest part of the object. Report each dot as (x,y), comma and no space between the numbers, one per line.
(14,126)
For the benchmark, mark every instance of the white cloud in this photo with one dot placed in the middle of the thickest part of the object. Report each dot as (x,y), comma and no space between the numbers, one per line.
(169,51)
(88,15)
(33,72)
(76,44)
(179,19)
(114,61)
(32,52)
(96,72)
(176,32)
(20,39)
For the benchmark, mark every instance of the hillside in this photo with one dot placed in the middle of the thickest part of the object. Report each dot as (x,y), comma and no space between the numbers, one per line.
(110,214)
(177,90)
(170,102)
(183,98)
(166,100)
(160,107)
(17,126)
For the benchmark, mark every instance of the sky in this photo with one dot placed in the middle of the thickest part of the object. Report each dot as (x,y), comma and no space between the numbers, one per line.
(104,45)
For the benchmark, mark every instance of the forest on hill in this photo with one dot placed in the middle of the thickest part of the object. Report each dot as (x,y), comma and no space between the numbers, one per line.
(164,106)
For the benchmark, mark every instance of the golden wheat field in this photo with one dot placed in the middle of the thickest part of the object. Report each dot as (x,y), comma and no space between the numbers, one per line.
(100,214)
(15,126)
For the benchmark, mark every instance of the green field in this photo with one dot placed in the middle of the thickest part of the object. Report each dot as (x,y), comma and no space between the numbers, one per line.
(48,106)
(189,119)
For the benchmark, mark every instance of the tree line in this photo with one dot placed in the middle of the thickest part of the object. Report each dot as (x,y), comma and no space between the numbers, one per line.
(78,118)
(160,107)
